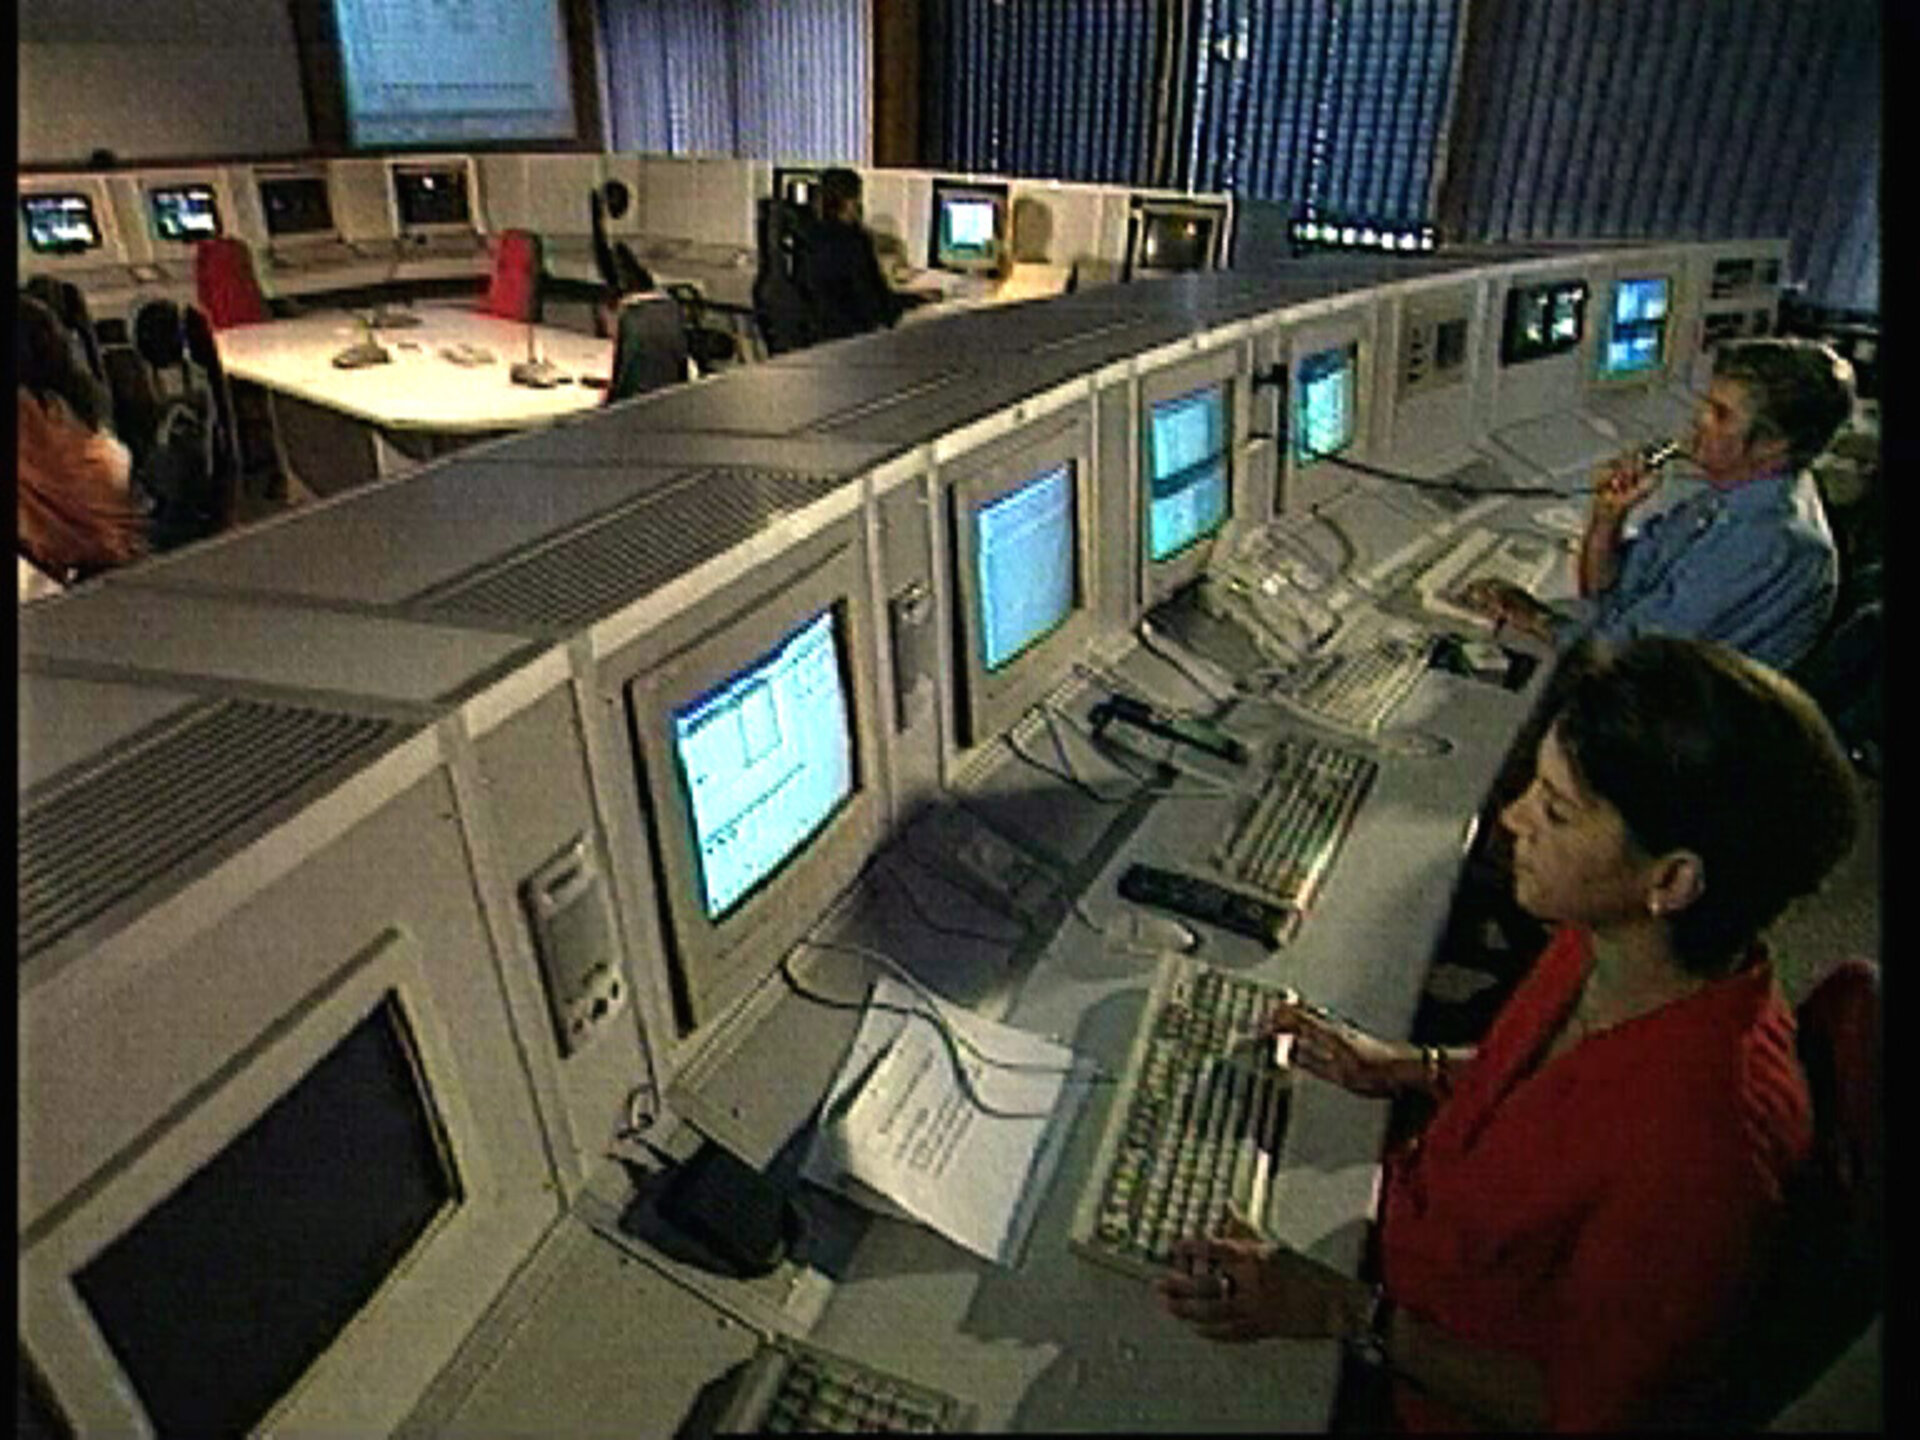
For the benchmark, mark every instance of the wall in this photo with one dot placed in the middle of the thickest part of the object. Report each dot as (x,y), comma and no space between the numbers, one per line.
(158,80)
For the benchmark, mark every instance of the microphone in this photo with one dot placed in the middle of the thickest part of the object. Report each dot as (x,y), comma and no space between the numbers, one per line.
(364,351)
(1657,453)
(534,371)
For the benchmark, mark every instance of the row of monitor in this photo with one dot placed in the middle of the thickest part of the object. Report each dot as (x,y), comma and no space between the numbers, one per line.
(741,754)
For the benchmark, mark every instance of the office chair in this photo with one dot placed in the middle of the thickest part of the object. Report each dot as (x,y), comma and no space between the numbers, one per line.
(649,345)
(619,268)
(709,344)
(781,308)
(176,445)
(513,293)
(69,304)
(1824,1287)
(225,285)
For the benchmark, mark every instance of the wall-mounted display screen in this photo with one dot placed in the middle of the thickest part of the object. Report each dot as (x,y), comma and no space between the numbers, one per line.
(183,213)
(765,760)
(1187,472)
(62,224)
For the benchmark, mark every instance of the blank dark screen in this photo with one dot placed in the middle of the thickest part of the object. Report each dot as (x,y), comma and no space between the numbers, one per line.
(230,1288)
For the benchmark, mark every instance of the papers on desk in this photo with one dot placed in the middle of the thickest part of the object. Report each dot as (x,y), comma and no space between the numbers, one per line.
(907,1134)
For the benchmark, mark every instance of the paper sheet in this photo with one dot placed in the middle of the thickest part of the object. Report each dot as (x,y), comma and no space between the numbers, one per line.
(965,1151)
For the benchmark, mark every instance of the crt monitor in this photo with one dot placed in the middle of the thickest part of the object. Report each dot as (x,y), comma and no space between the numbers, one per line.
(1187,469)
(796,186)
(60,223)
(1636,338)
(1167,238)
(1018,520)
(754,756)
(296,205)
(431,197)
(968,226)
(184,213)
(1543,319)
(1323,413)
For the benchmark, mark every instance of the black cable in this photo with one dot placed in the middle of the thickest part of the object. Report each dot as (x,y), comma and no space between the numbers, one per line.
(1420,482)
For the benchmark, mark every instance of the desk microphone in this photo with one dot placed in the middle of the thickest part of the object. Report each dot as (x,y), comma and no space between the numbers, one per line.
(533,371)
(385,316)
(364,351)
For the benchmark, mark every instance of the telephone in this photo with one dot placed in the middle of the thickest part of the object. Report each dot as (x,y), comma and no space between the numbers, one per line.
(1273,586)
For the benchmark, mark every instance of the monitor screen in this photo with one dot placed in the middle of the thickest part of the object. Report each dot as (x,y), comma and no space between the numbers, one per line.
(1173,240)
(1636,338)
(1543,320)
(969,226)
(1323,408)
(764,761)
(61,224)
(1024,562)
(1187,473)
(184,213)
(434,196)
(230,1288)
(796,186)
(296,205)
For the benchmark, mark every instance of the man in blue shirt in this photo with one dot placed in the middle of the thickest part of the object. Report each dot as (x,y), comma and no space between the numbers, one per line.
(1749,560)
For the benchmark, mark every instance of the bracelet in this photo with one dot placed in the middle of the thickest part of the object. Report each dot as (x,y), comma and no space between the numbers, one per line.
(1433,1061)
(1368,1344)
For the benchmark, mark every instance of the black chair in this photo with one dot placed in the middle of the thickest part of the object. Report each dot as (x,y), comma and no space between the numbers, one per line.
(177,448)
(649,345)
(781,306)
(69,304)
(620,269)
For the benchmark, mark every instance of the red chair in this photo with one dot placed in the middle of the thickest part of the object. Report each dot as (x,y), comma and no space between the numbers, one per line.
(1827,1281)
(514,291)
(225,285)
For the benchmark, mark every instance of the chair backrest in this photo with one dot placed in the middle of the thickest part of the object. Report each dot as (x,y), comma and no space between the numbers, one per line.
(649,345)
(179,433)
(225,285)
(781,307)
(69,303)
(1826,1282)
(514,291)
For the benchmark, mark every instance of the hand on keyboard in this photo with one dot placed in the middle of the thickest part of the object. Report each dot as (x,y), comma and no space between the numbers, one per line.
(1235,1285)
(1341,1052)
(1507,604)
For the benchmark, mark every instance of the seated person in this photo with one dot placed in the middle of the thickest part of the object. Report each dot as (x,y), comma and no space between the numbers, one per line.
(1571,1239)
(840,270)
(74,511)
(1749,561)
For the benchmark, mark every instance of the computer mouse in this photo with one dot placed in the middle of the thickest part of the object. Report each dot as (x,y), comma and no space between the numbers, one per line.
(1133,929)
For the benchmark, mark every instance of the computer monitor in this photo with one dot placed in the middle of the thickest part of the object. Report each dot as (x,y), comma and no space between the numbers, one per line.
(431,197)
(286,1189)
(756,771)
(1018,517)
(1636,338)
(60,223)
(296,205)
(796,186)
(1323,416)
(1187,470)
(1166,237)
(183,213)
(1543,319)
(968,225)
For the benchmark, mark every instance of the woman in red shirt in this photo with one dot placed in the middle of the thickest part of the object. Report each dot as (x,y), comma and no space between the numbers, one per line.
(1574,1234)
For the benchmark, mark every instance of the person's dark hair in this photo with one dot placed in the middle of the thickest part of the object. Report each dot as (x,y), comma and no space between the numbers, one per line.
(1801,390)
(838,185)
(1700,748)
(47,364)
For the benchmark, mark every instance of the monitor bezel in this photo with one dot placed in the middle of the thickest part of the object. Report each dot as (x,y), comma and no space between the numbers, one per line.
(712,962)
(277,240)
(1605,374)
(988,703)
(153,189)
(1223,367)
(998,194)
(414,165)
(1143,210)
(27,200)
(374,1372)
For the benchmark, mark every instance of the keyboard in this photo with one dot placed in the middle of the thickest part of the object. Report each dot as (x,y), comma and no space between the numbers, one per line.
(1195,1123)
(1285,840)
(1514,556)
(1356,683)
(793,1388)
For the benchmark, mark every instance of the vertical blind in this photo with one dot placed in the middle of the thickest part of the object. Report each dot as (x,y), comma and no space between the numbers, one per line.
(1693,119)
(768,79)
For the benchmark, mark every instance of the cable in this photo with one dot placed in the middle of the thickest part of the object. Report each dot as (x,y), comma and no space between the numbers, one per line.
(960,932)
(1420,482)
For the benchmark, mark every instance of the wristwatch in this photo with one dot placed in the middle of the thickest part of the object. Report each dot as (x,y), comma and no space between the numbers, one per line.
(1368,1344)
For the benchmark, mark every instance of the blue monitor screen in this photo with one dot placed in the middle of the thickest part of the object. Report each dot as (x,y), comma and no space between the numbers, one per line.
(968,223)
(1323,396)
(1024,563)
(1637,337)
(59,224)
(184,213)
(765,760)
(1187,475)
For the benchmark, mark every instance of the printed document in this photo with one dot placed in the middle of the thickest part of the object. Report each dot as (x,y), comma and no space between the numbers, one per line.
(958,1131)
